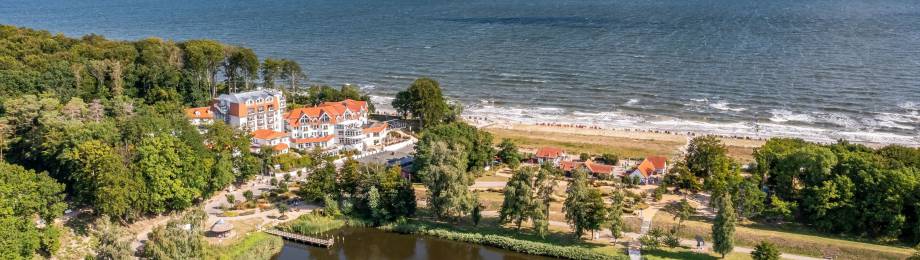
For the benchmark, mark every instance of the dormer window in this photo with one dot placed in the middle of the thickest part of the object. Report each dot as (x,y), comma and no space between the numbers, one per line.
(249,101)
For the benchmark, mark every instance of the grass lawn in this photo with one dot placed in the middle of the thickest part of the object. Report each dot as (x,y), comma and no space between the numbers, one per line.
(686,253)
(257,245)
(789,242)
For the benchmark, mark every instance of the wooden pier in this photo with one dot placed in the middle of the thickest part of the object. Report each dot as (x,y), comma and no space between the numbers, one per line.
(301,238)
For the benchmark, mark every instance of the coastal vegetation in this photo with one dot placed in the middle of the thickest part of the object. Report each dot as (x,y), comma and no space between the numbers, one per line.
(504,241)
(836,189)
(310,224)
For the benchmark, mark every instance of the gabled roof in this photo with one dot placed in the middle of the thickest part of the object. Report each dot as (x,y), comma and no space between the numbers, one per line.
(199,113)
(569,165)
(644,173)
(331,109)
(242,97)
(267,134)
(280,147)
(657,161)
(375,128)
(320,139)
(598,168)
(595,168)
(549,152)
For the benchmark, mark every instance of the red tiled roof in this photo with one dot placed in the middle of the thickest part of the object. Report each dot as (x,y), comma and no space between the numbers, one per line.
(644,171)
(267,134)
(598,168)
(312,139)
(657,161)
(333,110)
(375,128)
(280,147)
(199,113)
(569,165)
(549,152)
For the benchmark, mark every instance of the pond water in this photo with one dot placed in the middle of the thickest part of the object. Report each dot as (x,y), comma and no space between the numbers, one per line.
(369,243)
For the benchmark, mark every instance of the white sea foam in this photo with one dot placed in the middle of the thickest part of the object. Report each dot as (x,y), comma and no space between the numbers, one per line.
(908,105)
(722,105)
(699,99)
(367,87)
(782,115)
(839,119)
(632,101)
(777,126)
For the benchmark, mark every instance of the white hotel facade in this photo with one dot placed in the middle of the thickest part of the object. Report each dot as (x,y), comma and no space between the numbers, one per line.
(330,126)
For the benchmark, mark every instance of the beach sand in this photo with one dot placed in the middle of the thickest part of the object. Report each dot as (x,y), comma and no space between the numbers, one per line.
(623,142)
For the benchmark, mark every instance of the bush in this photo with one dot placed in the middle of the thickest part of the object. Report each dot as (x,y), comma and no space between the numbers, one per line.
(312,224)
(671,239)
(503,242)
(765,251)
(649,242)
(255,246)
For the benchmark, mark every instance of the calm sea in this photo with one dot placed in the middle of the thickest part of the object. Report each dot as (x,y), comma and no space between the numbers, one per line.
(819,69)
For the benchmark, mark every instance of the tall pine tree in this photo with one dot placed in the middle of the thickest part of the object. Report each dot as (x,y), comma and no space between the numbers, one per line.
(723,230)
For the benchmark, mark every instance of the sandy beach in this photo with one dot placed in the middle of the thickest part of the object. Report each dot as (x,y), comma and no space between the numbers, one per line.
(592,139)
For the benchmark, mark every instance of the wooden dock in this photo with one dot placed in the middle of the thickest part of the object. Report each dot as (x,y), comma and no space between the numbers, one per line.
(301,238)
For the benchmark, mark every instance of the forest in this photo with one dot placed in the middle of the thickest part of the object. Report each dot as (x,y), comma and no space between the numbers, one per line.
(100,122)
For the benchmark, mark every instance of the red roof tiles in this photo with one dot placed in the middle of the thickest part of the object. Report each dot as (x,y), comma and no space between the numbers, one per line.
(199,113)
(267,134)
(549,152)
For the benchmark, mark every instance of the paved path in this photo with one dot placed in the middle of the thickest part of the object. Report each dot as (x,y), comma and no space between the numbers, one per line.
(488,184)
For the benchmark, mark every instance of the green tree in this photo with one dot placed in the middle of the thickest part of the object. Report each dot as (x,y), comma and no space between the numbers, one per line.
(171,171)
(203,59)
(680,177)
(378,211)
(765,251)
(423,100)
(111,243)
(291,71)
(509,154)
(231,199)
(476,144)
(447,181)
(584,206)
(615,215)
(682,212)
(544,184)
(518,200)
(609,158)
(282,208)
(476,214)
(320,184)
(271,72)
(703,155)
(723,228)
(24,197)
(248,195)
(174,242)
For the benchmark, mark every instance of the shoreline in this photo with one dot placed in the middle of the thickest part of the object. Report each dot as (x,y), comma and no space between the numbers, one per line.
(628,126)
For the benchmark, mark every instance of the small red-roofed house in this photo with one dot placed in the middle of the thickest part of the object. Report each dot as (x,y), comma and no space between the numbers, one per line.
(198,116)
(549,155)
(278,141)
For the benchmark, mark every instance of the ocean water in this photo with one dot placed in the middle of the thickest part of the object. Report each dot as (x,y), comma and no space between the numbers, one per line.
(818,69)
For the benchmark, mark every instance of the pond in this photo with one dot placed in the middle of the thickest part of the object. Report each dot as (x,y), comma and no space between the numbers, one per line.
(369,243)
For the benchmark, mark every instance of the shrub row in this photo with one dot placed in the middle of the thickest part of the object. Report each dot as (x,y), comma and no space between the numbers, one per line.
(503,242)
